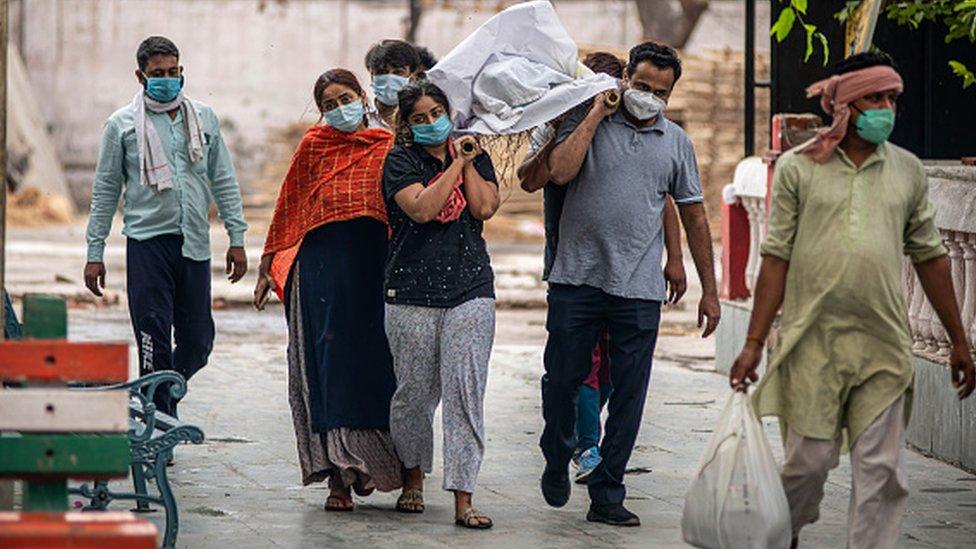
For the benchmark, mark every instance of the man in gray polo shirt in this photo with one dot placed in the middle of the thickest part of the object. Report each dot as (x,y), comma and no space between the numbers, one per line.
(618,166)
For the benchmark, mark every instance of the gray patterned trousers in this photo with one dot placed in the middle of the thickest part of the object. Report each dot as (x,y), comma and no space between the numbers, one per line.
(441,354)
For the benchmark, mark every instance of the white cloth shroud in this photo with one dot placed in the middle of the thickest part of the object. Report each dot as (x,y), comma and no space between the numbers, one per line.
(737,500)
(518,70)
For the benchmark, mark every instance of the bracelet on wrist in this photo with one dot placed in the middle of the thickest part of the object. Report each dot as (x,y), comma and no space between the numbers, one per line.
(756,340)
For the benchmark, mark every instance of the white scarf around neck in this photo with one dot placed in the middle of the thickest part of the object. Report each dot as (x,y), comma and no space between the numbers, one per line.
(154,170)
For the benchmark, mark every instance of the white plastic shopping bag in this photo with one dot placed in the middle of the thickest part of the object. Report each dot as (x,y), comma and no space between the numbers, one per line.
(736,499)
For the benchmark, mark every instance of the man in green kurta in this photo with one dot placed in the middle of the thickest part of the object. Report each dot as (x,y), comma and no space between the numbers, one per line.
(847,206)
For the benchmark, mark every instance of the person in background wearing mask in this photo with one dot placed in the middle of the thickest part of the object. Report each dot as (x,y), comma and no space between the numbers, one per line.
(440,296)
(847,207)
(391,64)
(165,153)
(533,175)
(324,257)
(607,269)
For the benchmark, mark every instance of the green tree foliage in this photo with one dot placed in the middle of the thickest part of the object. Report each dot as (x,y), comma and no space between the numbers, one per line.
(958,17)
(789,16)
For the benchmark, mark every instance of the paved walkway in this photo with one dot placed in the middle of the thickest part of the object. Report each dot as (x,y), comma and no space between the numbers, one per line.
(241,488)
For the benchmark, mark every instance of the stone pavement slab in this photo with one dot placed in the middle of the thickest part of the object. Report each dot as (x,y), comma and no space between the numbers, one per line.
(242,488)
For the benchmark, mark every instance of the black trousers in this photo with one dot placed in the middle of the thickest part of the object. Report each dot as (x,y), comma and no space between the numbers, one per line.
(169,300)
(576,314)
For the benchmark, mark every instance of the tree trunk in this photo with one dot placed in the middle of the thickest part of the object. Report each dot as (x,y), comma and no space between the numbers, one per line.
(670,21)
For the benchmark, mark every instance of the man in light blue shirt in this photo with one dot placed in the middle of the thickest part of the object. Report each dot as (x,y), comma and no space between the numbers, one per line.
(165,155)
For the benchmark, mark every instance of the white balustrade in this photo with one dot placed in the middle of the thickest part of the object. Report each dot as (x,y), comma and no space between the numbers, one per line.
(968,242)
(756,208)
(928,334)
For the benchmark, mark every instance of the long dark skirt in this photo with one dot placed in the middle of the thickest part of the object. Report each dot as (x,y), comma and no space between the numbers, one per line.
(340,370)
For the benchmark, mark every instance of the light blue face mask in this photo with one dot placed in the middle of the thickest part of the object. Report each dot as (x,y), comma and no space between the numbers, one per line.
(387,86)
(163,89)
(433,134)
(875,125)
(346,118)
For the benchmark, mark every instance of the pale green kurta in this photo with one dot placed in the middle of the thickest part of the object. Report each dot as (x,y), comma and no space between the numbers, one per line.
(844,351)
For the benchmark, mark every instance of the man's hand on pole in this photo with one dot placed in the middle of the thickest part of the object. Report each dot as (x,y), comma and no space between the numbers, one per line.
(601,106)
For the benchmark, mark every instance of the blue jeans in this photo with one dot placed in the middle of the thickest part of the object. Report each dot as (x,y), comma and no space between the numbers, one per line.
(589,404)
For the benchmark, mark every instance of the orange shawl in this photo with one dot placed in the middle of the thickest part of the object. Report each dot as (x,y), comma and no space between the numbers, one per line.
(334,176)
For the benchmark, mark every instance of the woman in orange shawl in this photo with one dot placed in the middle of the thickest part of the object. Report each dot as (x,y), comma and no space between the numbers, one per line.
(324,257)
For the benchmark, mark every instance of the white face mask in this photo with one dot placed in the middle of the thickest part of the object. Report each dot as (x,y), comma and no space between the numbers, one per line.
(643,105)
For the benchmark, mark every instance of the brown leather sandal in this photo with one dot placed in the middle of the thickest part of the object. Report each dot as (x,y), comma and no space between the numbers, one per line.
(339,504)
(411,501)
(472,518)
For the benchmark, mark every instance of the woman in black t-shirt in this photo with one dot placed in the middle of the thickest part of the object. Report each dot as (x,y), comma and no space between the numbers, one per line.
(440,299)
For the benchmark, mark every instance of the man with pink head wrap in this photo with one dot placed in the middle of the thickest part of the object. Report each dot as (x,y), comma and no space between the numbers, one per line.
(847,207)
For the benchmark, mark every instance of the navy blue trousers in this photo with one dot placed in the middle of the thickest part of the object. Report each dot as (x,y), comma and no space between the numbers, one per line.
(576,315)
(169,301)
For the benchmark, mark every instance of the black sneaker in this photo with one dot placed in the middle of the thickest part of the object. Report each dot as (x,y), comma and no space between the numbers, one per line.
(613,514)
(555,487)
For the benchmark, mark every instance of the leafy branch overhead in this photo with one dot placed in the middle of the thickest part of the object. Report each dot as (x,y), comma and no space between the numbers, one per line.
(788,18)
(957,16)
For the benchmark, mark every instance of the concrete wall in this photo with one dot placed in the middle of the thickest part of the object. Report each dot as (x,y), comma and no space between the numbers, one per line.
(730,336)
(941,425)
(256,67)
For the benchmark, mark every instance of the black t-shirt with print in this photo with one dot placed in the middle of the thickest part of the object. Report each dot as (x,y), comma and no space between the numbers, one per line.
(433,264)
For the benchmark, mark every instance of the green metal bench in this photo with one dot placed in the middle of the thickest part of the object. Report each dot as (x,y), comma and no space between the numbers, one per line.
(152,435)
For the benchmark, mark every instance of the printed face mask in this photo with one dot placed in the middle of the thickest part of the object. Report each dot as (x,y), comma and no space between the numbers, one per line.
(347,117)
(163,89)
(433,134)
(387,86)
(643,105)
(875,125)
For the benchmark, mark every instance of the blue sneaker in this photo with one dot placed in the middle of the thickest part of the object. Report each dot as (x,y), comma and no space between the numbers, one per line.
(588,461)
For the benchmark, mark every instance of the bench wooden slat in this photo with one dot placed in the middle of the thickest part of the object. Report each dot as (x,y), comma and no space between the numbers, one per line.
(69,456)
(63,411)
(63,361)
(103,530)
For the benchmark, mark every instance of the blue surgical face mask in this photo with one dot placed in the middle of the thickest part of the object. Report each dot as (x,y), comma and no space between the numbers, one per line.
(346,118)
(387,86)
(875,125)
(163,89)
(433,134)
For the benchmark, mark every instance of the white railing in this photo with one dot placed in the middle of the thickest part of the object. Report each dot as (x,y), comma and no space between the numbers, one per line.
(928,334)
(756,208)
(748,188)
(952,191)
